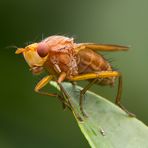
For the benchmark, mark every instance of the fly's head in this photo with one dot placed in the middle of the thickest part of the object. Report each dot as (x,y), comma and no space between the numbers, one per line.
(32,58)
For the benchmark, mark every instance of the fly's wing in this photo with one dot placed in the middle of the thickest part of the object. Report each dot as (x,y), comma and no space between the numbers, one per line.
(100,47)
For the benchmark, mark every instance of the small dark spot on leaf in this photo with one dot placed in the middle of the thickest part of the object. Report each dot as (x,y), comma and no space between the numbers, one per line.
(94,132)
(97,102)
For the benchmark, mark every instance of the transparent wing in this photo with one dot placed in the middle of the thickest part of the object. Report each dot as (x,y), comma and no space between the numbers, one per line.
(101,47)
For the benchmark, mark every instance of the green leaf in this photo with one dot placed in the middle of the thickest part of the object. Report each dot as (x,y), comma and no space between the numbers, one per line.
(106,126)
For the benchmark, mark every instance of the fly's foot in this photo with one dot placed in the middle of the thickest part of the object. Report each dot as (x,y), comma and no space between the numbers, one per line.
(79,118)
(131,114)
(123,108)
(83,113)
(63,101)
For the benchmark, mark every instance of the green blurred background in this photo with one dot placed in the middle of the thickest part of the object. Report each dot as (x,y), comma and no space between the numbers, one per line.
(28,120)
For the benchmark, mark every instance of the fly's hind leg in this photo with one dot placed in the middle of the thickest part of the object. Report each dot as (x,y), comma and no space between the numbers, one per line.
(118,97)
(44,82)
(96,75)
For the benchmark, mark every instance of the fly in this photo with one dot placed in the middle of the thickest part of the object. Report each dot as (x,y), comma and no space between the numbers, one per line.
(65,60)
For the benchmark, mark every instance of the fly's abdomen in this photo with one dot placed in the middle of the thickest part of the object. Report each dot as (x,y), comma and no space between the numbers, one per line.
(90,61)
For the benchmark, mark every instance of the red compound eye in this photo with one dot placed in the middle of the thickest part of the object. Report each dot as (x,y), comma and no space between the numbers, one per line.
(42,49)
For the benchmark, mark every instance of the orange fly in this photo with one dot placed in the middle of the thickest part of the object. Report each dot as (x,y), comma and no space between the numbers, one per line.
(65,60)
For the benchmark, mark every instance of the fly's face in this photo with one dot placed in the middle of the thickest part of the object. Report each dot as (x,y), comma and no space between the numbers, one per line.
(31,56)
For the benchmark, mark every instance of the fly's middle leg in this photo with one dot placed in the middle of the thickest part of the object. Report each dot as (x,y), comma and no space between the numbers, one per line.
(82,93)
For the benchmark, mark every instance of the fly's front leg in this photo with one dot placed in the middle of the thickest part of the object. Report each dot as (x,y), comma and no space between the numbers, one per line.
(69,102)
(65,94)
(67,97)
(44,82)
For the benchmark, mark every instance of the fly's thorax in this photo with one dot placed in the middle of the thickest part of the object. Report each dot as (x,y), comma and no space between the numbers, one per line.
(60,53)
(62,62)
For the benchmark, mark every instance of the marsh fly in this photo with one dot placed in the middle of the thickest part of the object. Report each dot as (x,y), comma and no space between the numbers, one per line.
(65,60)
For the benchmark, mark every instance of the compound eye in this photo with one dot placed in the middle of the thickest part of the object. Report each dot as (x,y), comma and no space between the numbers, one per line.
(42,49)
